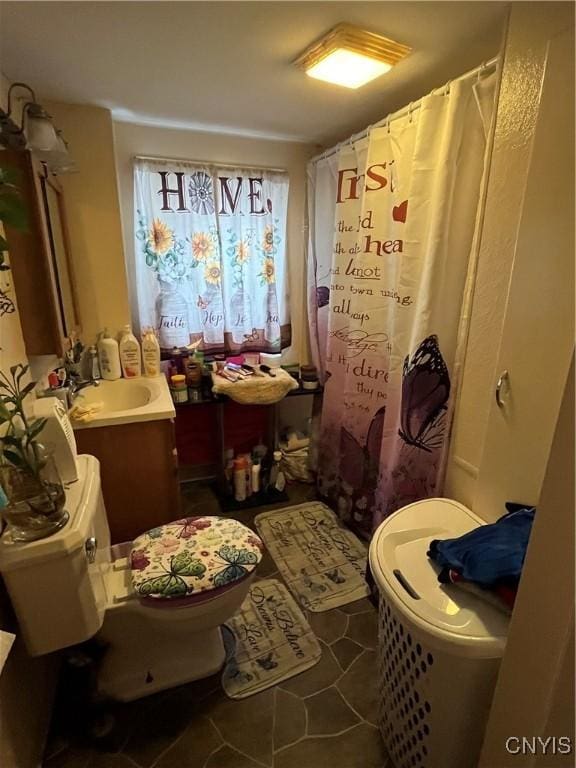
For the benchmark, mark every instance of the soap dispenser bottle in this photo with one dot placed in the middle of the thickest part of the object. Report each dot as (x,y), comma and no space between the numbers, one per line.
(109,357)
(95,374)
(130,358)
(150,353)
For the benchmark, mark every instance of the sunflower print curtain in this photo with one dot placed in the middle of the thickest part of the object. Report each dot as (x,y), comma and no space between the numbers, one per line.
(210,256)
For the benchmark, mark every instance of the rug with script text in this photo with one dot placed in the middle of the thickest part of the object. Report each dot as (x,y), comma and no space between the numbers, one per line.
(321,561)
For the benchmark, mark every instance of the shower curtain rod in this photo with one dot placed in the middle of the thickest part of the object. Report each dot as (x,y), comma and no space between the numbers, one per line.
(412,107)
(208,163)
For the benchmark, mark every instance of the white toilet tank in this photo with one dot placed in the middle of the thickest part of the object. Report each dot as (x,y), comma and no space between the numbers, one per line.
(56,584)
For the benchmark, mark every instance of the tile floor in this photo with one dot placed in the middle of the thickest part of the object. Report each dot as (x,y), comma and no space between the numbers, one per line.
(324,717)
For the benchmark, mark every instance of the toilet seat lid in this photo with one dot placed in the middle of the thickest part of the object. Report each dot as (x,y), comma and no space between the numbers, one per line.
(179,561)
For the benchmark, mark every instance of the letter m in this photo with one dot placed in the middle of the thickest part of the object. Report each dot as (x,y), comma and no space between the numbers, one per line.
(226,197)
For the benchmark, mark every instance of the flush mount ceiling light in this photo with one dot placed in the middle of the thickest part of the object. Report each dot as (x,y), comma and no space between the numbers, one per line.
(350,56)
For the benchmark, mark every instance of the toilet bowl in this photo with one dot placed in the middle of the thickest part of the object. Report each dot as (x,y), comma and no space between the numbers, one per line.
(158,603)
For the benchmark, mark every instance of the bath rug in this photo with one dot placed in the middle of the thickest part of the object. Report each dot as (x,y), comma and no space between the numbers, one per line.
(321,561)
(267,641)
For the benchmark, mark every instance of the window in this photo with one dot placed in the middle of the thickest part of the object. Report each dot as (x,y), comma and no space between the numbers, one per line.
(210,251)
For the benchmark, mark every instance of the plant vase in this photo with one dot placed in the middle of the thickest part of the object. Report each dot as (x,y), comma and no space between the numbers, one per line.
(34,503)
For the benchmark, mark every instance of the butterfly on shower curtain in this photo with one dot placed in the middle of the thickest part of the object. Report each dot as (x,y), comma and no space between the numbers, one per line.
(322,296)
(251,336)
(425,393)
(202,302)
(359,465)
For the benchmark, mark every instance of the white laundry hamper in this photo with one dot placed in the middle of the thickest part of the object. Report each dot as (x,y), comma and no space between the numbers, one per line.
(439,646)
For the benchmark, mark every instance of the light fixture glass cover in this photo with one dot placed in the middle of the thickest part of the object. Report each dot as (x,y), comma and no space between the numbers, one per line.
(39,129)
(351,57)
(348,68)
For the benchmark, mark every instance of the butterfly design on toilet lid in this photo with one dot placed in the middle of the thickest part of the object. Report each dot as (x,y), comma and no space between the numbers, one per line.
(190,557)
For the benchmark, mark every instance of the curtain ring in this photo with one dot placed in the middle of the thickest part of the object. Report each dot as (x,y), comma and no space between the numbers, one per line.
(410,112)
(447,89)
(481,69)
(388,124)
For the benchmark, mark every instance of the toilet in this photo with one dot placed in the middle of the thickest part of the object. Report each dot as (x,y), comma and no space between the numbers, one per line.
(158,602)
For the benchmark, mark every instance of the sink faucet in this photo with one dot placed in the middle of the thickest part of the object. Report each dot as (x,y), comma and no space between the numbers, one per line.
(78,384)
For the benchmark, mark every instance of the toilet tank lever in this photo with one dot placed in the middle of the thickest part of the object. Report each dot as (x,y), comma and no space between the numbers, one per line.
(91,546)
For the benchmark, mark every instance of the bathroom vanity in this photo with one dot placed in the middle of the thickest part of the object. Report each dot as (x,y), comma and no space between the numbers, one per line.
(132,435)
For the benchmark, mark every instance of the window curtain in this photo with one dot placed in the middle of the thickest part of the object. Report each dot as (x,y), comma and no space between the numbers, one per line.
(210,255)
(388,326)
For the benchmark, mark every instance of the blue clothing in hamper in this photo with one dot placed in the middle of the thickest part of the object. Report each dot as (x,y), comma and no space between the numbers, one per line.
(490,554)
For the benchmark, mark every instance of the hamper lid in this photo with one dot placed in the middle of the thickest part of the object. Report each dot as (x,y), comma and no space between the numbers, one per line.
(408,579)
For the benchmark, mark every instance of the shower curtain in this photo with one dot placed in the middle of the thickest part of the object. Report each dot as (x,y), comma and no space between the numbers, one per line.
(392,221)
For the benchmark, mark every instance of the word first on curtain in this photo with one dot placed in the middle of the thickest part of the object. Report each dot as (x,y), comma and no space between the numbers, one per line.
(210,255)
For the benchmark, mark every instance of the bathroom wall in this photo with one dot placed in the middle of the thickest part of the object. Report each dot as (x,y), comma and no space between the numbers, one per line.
(93,214)
(531,25)
(26,684)
(132,139)
(535,689)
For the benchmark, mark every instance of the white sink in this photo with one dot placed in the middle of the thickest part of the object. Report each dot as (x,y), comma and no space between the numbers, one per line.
(125,401)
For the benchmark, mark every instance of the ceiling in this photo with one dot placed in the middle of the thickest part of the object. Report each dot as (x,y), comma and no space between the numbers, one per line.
(226,66)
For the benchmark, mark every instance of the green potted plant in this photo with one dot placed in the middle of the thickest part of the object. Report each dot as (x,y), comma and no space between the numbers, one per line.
(33,494)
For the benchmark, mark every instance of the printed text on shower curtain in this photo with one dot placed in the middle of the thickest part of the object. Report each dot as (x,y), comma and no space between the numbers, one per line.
(405,201)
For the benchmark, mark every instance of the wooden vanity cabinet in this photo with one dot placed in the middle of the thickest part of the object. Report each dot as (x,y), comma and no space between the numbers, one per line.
(139,474)
(40,259)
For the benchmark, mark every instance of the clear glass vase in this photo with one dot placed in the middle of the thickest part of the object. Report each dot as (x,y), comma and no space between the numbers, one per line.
(34,501)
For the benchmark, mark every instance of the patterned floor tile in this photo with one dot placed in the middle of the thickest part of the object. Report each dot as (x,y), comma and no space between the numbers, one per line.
(360,606)
(226,757)
(346,651)
(328,625)
(161,724)
(323,674)
(104,760)
(328,713)
(68,758)
(363,629)
(359,688)
(360,747)
(289,720)
(247,724)
(194,747)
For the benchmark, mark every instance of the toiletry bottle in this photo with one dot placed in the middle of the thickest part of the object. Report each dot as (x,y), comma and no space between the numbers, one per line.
(256,476)
(240,479)
(94,364)
(274,470)
(249,488)
(151,353)
(280,481)
(184,356)
(229,470)
(109,357)
(130,354)
(260,450)
(178,388)
(176,359)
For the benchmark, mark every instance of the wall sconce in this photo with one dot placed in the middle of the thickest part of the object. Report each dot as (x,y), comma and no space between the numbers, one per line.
(350,56)
(36,132)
